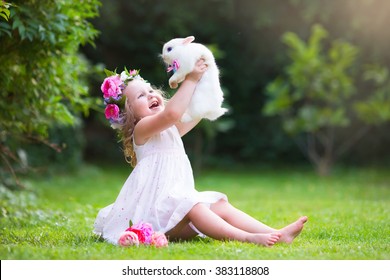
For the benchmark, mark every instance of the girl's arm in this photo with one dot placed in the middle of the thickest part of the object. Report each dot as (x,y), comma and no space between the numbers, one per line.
(184,128)
(174,109)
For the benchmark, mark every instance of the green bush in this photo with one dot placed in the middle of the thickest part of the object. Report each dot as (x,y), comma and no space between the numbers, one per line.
(43,76)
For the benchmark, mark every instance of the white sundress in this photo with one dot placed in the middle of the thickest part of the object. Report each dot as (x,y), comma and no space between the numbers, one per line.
(160,190)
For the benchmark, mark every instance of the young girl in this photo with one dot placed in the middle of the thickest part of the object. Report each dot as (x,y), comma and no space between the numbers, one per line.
(160,190)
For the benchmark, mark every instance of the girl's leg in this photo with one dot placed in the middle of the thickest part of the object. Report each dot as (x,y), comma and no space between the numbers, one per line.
(243,221)
(209,223)
(182,231)
(239,218)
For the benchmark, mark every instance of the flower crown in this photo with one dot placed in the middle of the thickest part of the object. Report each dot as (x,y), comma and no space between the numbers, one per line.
(114,99)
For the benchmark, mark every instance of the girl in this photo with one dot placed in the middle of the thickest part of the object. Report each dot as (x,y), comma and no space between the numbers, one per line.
(160,190)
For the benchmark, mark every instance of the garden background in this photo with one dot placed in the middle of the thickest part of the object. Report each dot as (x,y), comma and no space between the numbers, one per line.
(307,85)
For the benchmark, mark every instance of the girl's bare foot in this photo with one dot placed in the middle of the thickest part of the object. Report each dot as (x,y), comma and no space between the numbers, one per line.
(265,239)
(288,233)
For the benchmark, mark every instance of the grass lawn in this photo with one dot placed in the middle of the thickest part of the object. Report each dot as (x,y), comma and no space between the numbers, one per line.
(349,215)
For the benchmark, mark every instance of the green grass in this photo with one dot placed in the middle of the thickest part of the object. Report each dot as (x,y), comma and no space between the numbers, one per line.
(348,215)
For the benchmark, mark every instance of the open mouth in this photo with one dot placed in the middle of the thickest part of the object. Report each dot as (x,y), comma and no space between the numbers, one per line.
(153,105)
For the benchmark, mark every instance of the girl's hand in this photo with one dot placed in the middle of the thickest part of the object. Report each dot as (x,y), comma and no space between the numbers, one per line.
(197,73)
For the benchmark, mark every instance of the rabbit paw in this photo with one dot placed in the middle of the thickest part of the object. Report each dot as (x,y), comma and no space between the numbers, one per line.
(173,84)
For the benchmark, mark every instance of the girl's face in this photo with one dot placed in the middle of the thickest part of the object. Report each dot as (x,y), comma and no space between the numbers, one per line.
(143,100)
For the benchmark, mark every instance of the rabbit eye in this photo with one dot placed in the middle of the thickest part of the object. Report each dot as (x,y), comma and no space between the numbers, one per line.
(169,49)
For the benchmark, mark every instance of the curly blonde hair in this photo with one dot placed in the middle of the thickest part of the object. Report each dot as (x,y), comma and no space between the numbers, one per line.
(127,130)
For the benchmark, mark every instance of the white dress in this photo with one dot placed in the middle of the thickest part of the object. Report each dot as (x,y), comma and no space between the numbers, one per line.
(160,190)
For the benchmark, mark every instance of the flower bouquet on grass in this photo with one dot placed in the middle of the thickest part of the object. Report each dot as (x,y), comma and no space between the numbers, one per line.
(142,233)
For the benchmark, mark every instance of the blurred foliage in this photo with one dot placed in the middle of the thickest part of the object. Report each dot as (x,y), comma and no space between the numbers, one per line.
(248,33)
(43,75)
(376,108)
(4,10)
(318,92)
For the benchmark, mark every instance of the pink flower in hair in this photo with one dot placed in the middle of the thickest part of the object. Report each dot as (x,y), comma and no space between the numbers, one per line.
(133,73)
(128,238)
(112,112)
(112,87)
(159,240)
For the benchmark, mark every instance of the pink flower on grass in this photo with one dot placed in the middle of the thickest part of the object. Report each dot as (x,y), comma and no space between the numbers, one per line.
(128,238)
(112,111)
(159,240)
(111,87)
(144,232)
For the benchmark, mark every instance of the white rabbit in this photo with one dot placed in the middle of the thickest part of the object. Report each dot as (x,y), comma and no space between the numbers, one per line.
(181,55)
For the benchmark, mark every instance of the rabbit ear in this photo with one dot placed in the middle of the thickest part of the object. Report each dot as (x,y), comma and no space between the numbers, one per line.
(188,40)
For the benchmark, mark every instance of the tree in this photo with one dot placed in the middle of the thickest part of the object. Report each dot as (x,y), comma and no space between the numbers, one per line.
(323,92)
(42,79)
